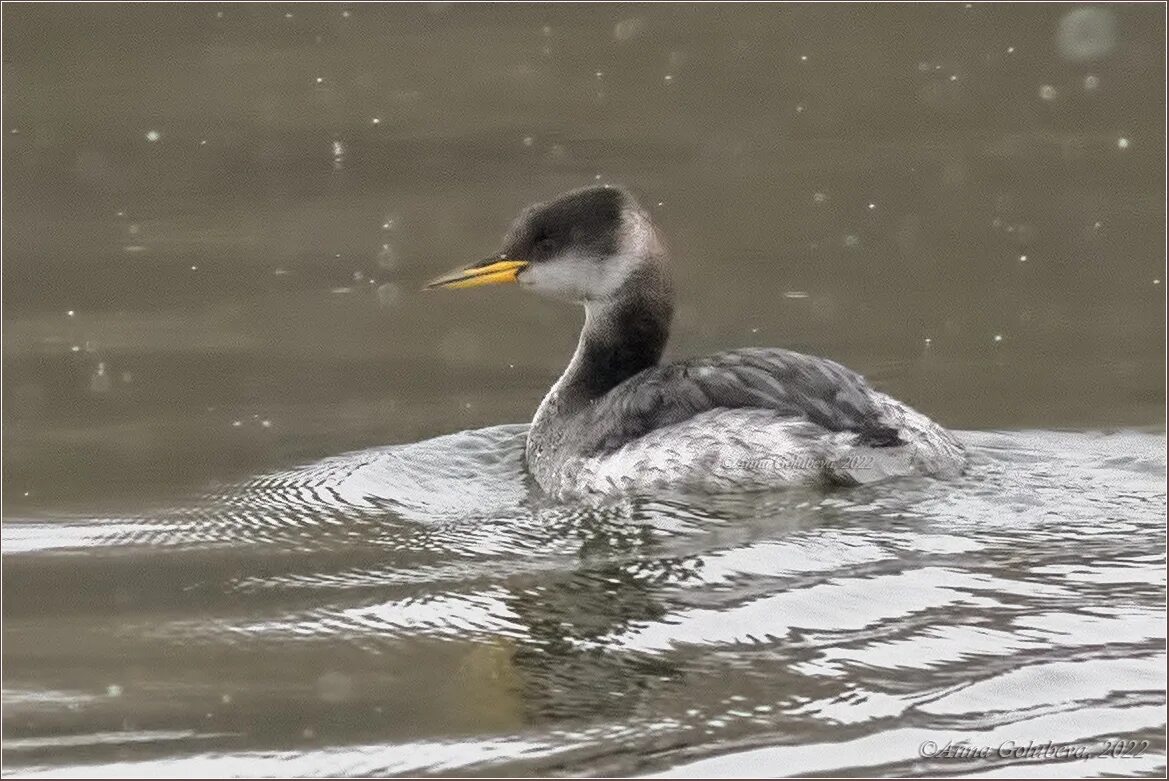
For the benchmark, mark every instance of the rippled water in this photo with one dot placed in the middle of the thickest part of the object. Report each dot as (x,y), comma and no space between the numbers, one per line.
(418,609)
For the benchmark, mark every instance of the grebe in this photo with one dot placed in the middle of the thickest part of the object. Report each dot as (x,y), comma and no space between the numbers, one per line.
(618,421)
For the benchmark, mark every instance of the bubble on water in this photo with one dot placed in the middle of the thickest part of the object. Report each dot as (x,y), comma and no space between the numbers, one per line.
(819,198)
(546,30)
(70,313)
(358,276)
(669,77)
(852,240)
(153,135)
(1048,92)
(266,423)
(1122,143)
(628,29)
(1010,50)
(954,77)
(928,341)
(319,79)
(803,58)
(597,177)
(76,348)
(346,14)
(1022,258)
(998,338)
(225,699)
(528,140)
(1156,281)
(308,733)
(800,108)
(1091,83)
(376,121)
(1086,34)
(236,423)
(114,690)
(194,268)
(120,214)
(599,74)
(924,67)
(338,154)
(288,15)
(872,206)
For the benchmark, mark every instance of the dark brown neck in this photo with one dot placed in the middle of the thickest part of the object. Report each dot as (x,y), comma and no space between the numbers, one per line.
(622,335)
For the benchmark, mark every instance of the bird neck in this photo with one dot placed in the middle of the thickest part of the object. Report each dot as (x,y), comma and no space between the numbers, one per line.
(622,335)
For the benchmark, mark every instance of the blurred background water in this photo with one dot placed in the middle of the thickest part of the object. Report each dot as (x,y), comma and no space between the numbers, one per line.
(216,221)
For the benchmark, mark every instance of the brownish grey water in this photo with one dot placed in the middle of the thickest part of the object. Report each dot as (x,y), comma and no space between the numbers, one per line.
(263,515)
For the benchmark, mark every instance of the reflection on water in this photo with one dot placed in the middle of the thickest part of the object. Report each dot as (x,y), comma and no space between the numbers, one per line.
(329,620)
(215,222)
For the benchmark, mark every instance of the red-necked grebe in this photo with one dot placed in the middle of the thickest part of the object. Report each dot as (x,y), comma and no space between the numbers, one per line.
(620,421)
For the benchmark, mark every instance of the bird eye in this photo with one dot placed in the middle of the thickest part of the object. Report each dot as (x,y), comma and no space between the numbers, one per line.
(545,246)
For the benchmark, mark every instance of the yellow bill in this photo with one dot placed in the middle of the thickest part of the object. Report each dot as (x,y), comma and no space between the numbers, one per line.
(498,273)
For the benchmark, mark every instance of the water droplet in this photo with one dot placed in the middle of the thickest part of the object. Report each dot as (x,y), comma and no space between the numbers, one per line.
(1010,50)
(1156,281)
(928,341)
(628,29)
(872,205)
(320,80)
(194,268)
(954,77)
(1086,34)
(998,337)
(76,348)
(236,423)
(803,58)
(386,257)
(266,423)
(669,77)
(388,294)
(376,121)
(1022,258)
(70,313)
